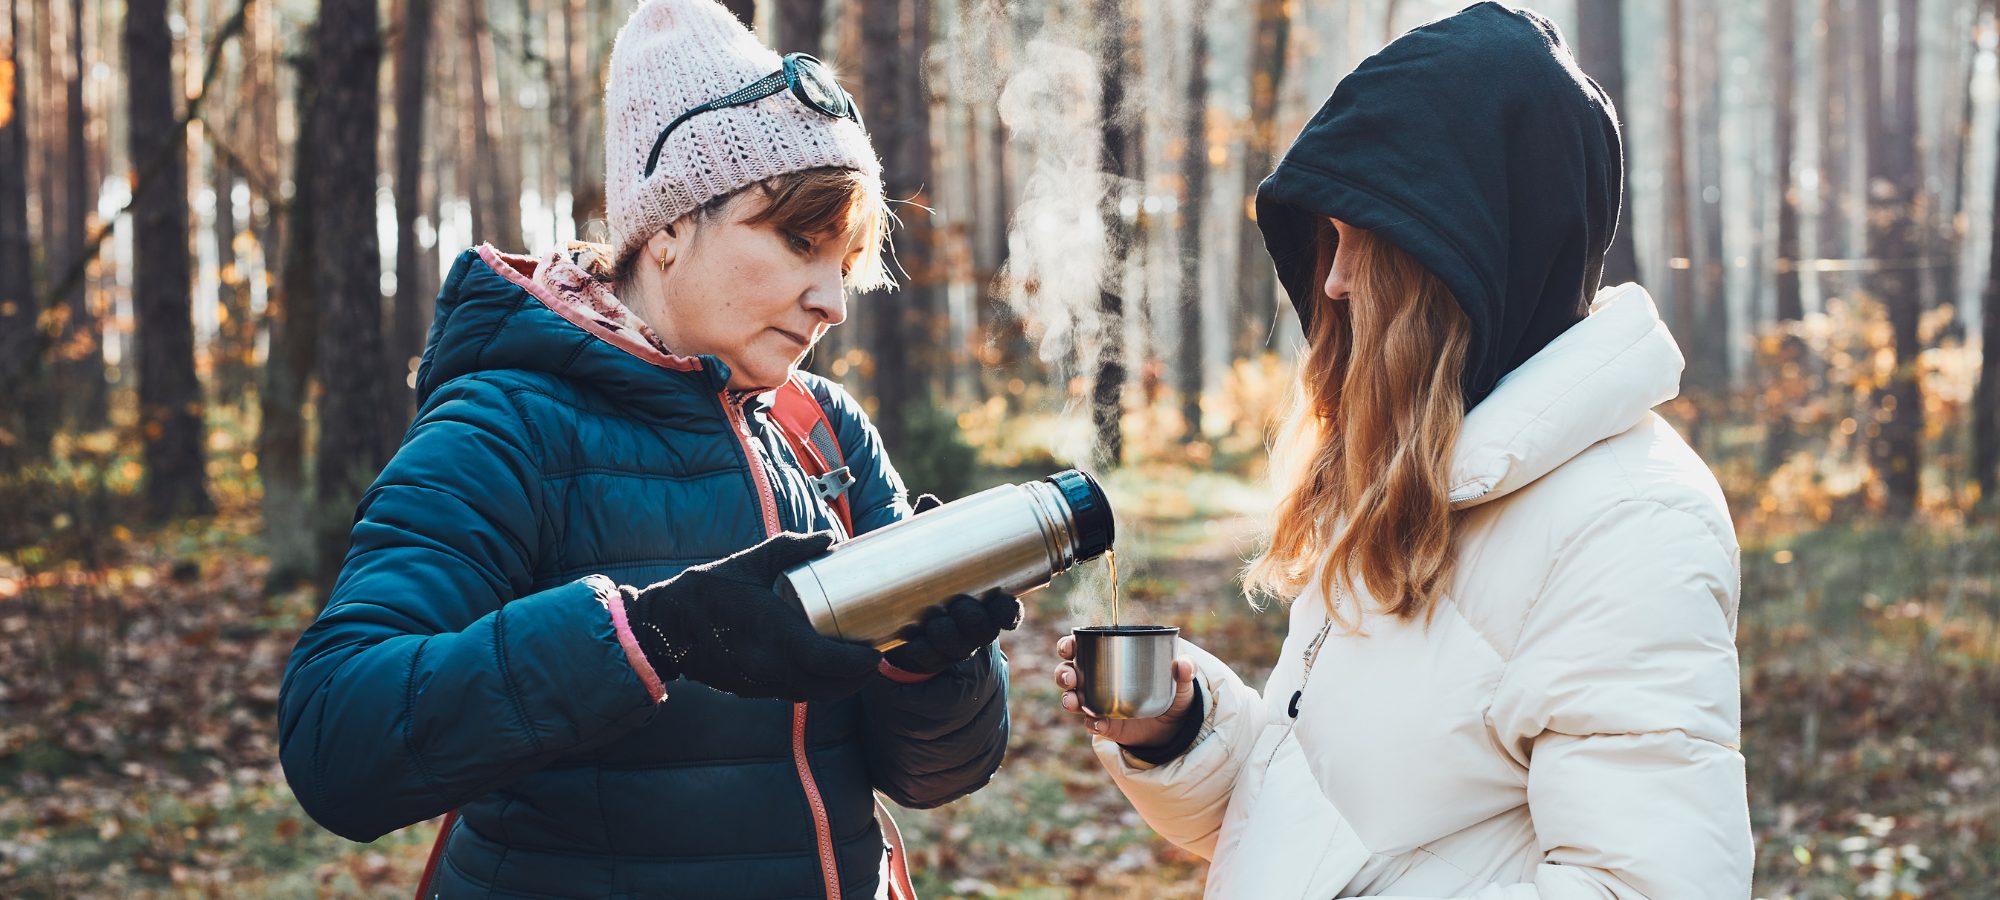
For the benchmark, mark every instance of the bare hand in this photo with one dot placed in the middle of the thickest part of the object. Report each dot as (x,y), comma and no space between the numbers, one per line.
(1125,732)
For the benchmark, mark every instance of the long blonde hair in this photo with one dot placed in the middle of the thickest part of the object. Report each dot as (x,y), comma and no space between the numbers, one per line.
(1364,455)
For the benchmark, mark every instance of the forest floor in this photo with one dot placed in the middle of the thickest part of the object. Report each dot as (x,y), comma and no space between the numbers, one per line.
(139,680)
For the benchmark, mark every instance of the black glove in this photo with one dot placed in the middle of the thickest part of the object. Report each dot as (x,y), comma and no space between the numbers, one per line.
(724,625)
(954,630)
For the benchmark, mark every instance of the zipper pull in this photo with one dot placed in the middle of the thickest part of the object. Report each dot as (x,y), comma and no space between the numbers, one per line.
(1294,707)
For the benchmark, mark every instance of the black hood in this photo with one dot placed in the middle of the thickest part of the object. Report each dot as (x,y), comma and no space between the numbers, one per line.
(1476,145)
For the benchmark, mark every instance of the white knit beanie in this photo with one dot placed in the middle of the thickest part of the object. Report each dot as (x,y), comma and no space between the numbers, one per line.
(672,56)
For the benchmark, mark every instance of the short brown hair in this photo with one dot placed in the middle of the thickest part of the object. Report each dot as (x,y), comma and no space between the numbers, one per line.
(819,202)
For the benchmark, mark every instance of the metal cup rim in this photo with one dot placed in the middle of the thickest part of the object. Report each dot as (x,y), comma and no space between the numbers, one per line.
(1123,630)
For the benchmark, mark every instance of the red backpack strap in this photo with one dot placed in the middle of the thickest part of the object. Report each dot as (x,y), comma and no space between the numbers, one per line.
(802,420)
(437,853)
(900,887)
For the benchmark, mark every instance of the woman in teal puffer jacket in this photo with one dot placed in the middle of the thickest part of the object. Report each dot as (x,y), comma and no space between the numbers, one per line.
(598,419)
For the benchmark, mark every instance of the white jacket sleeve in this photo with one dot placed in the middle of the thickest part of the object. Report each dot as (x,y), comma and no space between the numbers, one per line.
(1185,800)
(1622,700)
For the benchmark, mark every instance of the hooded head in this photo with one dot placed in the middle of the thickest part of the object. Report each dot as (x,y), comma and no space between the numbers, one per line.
(1477,146)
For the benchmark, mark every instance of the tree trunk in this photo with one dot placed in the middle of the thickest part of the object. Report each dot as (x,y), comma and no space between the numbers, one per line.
(897,33)
(1836,67)
(294,324)
(1986,397)
(44,112)
(79,351)
(1194,195)
(1948,219)
(406,340)
(496,217)
(352,436)
(236,331)
(1256,280)
(1710,353)
(801,25)
(1905,432)
(1601,54)
(586,181)
(1117,131)
(1680,218)
(21,356)
(1789,308)
(986,145)
(1893,186)
(170,406)
(567,97)
(1784,107)
(260,50)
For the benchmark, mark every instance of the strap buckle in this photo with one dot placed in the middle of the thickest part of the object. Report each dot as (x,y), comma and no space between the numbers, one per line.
(833,484)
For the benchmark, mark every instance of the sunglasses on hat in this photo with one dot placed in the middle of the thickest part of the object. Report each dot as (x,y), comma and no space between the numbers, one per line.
(804,76)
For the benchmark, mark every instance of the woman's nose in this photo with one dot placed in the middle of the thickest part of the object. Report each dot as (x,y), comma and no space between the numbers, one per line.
(1336,280)
(828,301)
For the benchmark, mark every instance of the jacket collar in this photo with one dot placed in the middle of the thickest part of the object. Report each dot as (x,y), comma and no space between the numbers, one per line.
(1595,380)
(503,312)
(564,284)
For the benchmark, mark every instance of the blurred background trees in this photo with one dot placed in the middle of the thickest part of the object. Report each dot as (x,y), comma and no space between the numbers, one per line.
(222,223)
(1792,163)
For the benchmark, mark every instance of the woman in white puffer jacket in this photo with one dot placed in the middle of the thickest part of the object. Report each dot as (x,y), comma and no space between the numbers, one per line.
(1511,669)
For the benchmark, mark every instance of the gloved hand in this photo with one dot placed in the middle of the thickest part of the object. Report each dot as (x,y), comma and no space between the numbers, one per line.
(954,630)
(723,624)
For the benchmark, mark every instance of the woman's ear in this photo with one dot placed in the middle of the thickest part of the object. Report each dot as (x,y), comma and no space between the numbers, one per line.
(665,247)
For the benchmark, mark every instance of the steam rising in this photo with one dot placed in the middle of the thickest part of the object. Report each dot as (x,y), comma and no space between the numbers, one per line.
(1048,99)
(1056,240)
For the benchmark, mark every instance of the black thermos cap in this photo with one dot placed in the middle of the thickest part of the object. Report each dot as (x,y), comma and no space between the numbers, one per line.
(1089,509)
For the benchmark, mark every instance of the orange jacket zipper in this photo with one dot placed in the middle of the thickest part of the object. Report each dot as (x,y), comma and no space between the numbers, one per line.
(766,500)
(827,867)
(822,829)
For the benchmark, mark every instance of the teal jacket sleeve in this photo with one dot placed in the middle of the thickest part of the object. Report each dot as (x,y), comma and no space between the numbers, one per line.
(434,675)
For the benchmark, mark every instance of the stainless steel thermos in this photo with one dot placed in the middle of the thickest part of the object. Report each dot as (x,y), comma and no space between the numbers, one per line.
(1015,537)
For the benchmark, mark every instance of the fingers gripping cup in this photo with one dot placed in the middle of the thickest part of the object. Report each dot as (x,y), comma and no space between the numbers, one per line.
(1126,671)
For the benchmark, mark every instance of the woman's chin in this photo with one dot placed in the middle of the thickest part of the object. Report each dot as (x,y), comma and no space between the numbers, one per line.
(762,375)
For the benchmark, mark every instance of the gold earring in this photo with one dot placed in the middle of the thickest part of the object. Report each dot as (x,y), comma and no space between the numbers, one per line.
(663,260)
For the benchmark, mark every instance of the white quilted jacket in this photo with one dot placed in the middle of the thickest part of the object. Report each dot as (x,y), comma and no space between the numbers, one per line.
(1566,726)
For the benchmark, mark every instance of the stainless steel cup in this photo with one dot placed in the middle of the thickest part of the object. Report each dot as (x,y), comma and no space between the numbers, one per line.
(1126,671)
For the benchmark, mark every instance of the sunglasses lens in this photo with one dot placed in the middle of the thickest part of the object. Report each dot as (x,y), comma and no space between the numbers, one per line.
(817,88)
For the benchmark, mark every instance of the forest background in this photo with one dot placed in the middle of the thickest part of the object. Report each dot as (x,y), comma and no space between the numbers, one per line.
(222,223)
